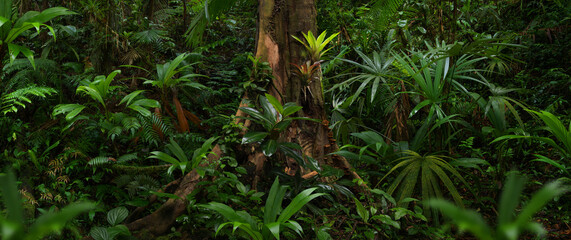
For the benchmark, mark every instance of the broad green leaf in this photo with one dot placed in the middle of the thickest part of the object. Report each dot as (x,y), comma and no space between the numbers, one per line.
(165,157)
(270,147)
(71,110)
(277,105)
(270,112)
(118,230)
(99,233)
(251,137)
(289,110)
(274,228)
(117,215)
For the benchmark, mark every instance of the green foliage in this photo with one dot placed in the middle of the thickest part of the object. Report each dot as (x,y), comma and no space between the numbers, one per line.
(376,73)
(100,90)
(275,219)
(383,10)
(275,118)
(212,9)
(431,170)
(114,218)
(11,28)
(558,130)
(182,161)
(315,46)
(13,224)
(166,75)
(509,225)
(19,98)
(260,75)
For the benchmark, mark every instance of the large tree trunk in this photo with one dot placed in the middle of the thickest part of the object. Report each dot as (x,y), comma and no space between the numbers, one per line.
(278,20)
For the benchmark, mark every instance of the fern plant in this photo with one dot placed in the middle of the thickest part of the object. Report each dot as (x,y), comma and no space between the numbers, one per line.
(11,101)
(383,10)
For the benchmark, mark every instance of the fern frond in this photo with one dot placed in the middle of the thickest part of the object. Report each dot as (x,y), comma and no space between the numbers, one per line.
(154,128)
(127,157)
(383,10)
(97,161)
(22,74)
(19,98)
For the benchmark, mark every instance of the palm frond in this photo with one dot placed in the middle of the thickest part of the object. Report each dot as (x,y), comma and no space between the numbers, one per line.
(431,170)
(212,9)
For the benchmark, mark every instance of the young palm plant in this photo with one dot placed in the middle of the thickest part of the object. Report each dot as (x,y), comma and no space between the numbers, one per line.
(559,131)
(275,218)
(169,79)
(431,170)
(181,160)
(100,90)
(509,225)
(11,28)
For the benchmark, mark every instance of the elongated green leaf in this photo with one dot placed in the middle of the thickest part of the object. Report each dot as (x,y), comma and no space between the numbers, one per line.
(274,202)
(509,199)
(177,151)
(277,105)
(270,112)
(127,99)
(54,222)
(71,110)
(538,200)
(224,210)
(252,137)
(363,213)
(297,203)
(258,117)
(541,158)
(165,157)
(465,219)
(14,50)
